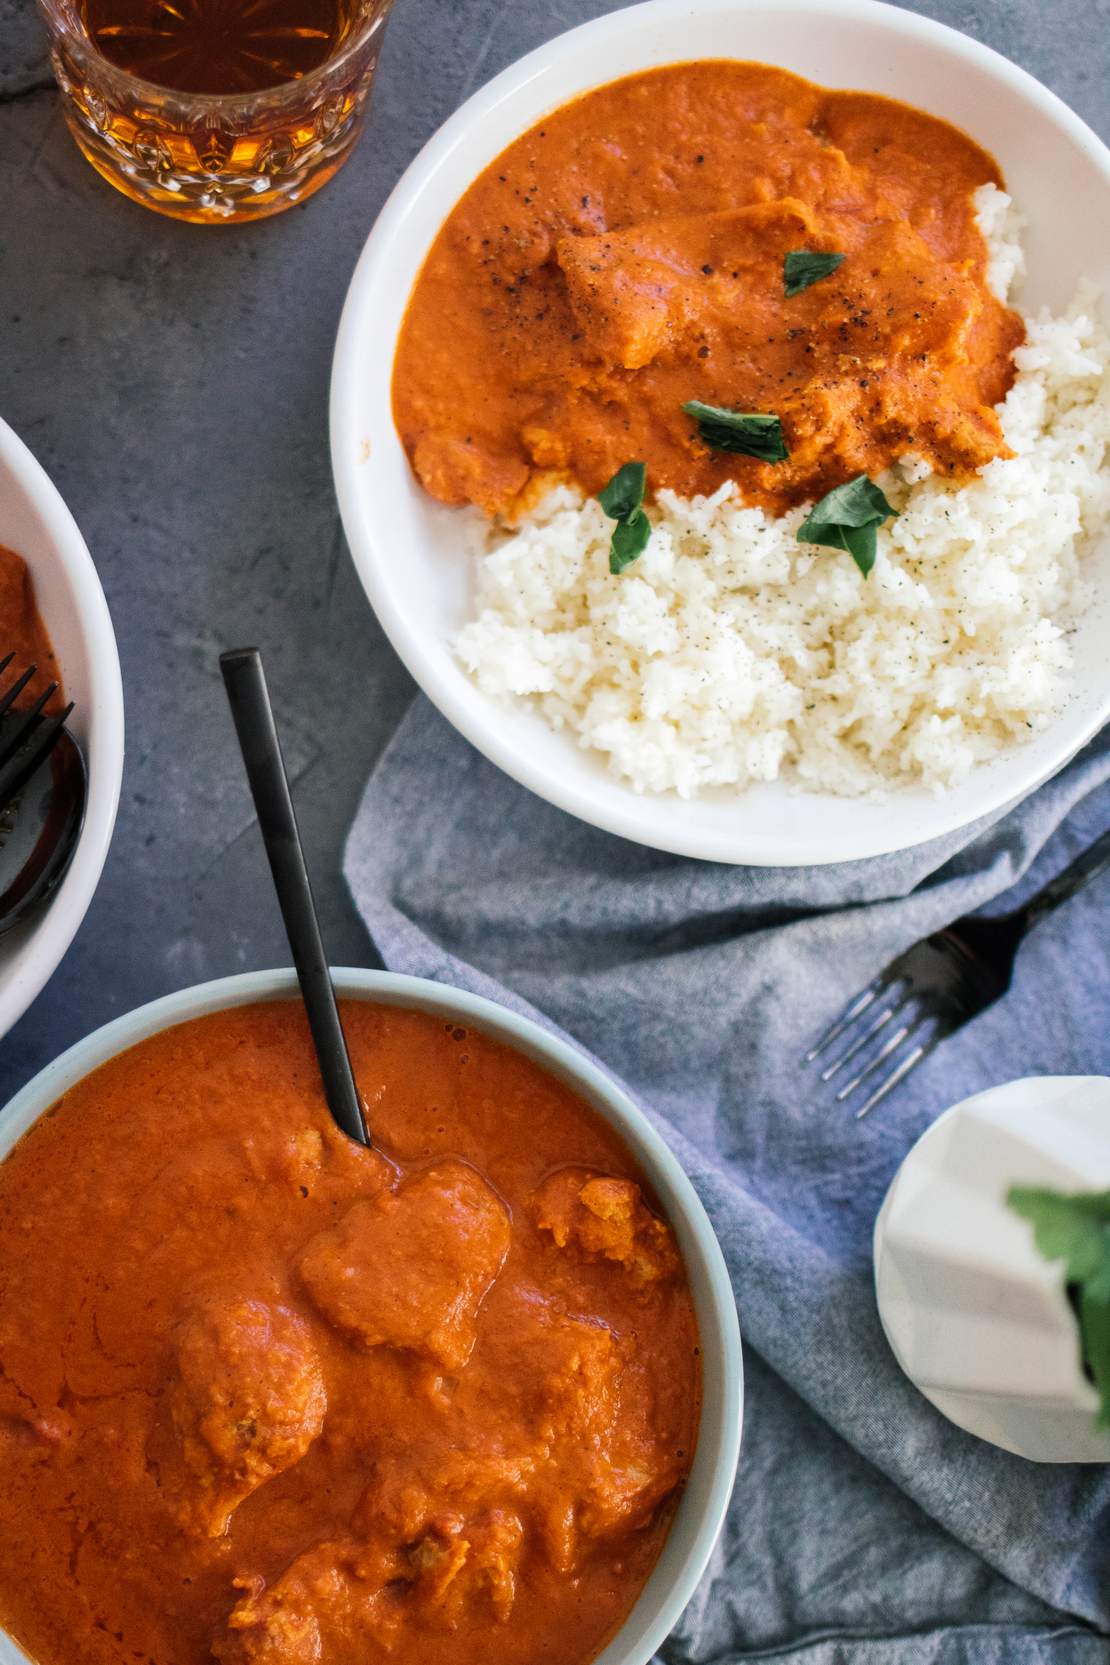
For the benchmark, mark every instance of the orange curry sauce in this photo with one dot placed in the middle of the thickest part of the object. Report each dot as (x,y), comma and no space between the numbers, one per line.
(270,1396)
(22,632)
(626,255)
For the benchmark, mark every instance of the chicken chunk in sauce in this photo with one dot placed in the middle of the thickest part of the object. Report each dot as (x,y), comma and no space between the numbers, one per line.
(602,1468)
(602,1218)
(282,1623)
(433,1541)
(459,1565)
(410,1268)
(246,1401)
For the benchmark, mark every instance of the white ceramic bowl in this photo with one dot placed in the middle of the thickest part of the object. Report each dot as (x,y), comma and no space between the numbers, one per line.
(37,525)
(701,1511)
(406,547)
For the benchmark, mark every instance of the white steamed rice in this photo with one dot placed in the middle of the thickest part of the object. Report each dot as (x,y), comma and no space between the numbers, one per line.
(729,653)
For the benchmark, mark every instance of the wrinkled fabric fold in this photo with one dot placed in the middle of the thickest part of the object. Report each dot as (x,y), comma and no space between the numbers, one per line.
(864,1527)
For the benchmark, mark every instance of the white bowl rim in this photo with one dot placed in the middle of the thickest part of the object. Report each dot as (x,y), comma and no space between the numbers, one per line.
(631,818)
(596,1086)
(53,933)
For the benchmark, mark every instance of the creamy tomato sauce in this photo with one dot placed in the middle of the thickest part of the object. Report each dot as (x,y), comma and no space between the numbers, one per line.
(625,256)
(22,632)
(269,1396)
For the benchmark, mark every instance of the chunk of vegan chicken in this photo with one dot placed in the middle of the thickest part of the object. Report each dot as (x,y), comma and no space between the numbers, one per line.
(246,1401)
(459,1564)
(410,1268)
(445,1526)
(282,1623)
(604,1469)
(636,298)
(468,471)
(431,1541)
(409,1490)
(606,1219)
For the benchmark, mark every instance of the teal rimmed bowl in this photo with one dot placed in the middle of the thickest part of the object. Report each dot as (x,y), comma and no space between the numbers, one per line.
(701,1510)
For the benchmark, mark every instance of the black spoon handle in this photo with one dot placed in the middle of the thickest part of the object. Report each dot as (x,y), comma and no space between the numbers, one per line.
(245,681)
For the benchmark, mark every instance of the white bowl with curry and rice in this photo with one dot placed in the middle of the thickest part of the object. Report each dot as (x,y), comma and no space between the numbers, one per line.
(55,614)
(271,1397)
(718,425)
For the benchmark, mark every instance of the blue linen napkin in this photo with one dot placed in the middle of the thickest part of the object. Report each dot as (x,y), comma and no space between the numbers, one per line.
(864,1529)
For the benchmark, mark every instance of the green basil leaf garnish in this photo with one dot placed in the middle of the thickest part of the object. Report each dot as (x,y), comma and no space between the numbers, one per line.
(801,267)
(860,542)
(622,499)
(748,433)
(849,517)
(625,491)
(629,540)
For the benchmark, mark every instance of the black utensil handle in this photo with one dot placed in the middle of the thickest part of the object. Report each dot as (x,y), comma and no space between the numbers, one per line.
(1094,860)
(245,681)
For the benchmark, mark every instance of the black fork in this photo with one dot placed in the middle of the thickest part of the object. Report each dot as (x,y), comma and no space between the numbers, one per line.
(27,735)
(934,988)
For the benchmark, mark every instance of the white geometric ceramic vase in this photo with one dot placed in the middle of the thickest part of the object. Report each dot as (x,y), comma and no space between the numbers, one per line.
(976,1316)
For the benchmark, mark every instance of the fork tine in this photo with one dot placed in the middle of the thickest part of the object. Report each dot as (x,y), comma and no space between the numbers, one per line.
(852,1011)
(899,1073)
(31,719)
(868,1034)
(17,770)
(891,1044)
(5,662)
(17,687)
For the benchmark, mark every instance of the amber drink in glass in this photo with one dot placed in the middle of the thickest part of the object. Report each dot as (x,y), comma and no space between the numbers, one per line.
(215,110)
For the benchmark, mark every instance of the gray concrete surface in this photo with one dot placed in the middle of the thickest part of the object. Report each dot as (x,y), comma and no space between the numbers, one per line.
(173,380)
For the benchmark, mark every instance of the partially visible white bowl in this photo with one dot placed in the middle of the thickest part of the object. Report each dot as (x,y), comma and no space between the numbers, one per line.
(701,1509)
(37,525)
(406,548)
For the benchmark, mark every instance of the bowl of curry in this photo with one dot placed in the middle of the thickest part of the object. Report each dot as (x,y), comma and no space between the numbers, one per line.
(267,1396)
(738,247)
(53,611)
